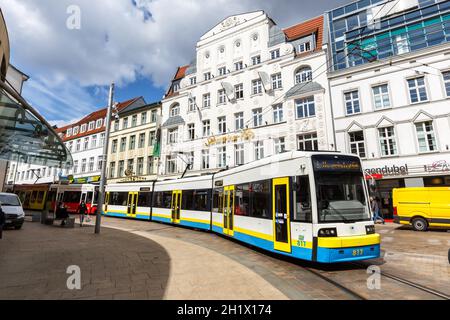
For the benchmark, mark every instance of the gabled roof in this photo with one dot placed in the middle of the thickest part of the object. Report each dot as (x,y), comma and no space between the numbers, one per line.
(302,29)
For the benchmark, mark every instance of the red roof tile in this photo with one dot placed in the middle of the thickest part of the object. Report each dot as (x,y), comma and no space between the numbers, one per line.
(181,73)
(308,27)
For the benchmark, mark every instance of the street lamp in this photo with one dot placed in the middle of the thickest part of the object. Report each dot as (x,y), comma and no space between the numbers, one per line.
(101,196)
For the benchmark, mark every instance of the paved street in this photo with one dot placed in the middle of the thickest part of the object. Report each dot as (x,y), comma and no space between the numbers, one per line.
(141,260)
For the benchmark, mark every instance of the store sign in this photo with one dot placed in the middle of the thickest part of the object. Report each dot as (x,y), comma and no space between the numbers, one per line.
(438,166)
(389,170)
(246,135)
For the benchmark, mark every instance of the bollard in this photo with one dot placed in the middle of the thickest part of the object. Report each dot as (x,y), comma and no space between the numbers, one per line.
(449,256)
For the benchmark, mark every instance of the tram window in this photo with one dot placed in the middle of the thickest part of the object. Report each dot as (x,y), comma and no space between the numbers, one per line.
(72,196)
(89,197)
(144,199)
(302,200)
(187,202)
(118,198)
(40,197)
(162,199)
(242,200)
(218,200)
(202,200)
(260,196)
(33,196)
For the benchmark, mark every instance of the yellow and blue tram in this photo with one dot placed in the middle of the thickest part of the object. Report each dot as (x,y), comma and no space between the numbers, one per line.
(308,205)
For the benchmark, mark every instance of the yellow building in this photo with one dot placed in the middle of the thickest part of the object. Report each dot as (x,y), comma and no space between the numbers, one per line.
(132,141)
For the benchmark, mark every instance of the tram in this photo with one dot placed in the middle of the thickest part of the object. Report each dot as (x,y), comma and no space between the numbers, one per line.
(307,205)
(72,195)
(36,197)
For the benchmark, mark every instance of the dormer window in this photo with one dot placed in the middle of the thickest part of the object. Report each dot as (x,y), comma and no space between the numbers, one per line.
(83,128)
(69,132)
(91,125)
(207,76)
(99,123)
(76,130)
(176,87)
(304,47)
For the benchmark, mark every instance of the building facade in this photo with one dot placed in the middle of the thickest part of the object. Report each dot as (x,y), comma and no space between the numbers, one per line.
(391,90)
(253,90)
(132,143)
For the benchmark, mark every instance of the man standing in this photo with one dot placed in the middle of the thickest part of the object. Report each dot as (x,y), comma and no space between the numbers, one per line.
(2,220)
(82,211)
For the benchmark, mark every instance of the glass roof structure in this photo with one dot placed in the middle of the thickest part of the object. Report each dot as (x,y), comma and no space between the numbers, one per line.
(26,136)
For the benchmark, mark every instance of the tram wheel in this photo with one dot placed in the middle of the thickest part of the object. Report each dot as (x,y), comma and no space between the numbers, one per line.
(420,224)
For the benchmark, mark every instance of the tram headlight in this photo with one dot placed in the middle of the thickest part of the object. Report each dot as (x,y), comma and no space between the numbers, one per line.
(370,229)
(328,232)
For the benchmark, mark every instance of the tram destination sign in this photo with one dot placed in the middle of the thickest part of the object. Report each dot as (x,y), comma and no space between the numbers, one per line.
(336,163)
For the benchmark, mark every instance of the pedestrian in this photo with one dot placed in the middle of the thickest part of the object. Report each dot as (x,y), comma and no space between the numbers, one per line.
(82,209)
(376,210)
(2,220)
(61,213)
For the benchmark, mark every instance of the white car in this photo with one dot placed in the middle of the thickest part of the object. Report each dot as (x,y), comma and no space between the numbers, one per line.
(12,208)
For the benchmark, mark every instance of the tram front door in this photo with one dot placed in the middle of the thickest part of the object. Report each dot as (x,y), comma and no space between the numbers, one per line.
(281,215)
(228,211)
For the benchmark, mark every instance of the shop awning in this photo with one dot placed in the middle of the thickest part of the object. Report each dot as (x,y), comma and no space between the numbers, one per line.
(26,136)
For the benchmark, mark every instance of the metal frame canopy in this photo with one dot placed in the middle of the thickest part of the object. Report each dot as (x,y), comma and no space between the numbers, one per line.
(26,136)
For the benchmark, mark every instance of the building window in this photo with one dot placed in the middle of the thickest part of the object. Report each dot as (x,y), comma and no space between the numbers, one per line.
(307,142)
(192,104)
(222,71)
(75,130)
(94,141)
(205,159)
(417,90)
(239,91)
(130,165)
(140,167)
(154,116)
(352,105)
(275,54)
(207,76)
(381,96)
(112,170)
(86,144)
(222,157)
(238,66)
(83,128)
(70,146)
(387,141)
(446,76)
(426,137)
(69,132)
(277,83)
(256,60)
(257,117)
(176,87)
(303,75)
(190,160)
(278,113)
(239,121)
(207,100)
(114,146)
(141,143)
(257,86)
(171,164)
(91,125)
(304,47)
(121,169)
(305,107)
(357,145)
(102,139)
(125,123)
(239,154)
(75,167)
(280,145)
(175,110)
(144,118)
(99,123)
(193,81)
(172,136)
(99,163)
(78,146)
(116,125)
(123,144)
(259,150)
(132,145)
(152,138)
(222,124)
(91,164)
(191,131)
(83,165)
(401,45)
(221,97)
(206,128)
(150,165)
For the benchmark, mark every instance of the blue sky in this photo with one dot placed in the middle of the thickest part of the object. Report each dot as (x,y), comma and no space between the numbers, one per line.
(138,44)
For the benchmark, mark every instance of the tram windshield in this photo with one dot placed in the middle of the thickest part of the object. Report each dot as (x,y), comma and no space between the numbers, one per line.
(340,190)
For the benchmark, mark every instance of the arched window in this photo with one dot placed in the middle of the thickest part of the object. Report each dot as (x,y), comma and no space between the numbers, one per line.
(303,74)
(175,110)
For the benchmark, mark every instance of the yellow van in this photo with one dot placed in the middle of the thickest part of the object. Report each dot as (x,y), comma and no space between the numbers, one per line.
(422,207)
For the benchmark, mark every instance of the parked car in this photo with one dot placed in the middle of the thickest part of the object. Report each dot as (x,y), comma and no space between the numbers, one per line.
(12,207)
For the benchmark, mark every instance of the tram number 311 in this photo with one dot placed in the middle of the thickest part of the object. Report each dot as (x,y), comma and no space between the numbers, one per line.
(358,252)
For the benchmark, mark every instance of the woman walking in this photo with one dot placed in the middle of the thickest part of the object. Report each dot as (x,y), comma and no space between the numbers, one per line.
(82,211)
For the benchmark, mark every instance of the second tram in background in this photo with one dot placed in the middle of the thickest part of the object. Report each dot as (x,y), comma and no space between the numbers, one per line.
(308,205)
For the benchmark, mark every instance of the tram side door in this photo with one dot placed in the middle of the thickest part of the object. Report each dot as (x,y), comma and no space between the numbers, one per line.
(132,204)
(105,205)
(176,206)
(228,211)
(281,215)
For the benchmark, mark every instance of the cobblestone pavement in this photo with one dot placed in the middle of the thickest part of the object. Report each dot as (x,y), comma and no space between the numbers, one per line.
(143,260)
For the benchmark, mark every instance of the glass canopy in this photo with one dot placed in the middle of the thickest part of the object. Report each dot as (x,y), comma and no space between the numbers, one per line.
(25,136)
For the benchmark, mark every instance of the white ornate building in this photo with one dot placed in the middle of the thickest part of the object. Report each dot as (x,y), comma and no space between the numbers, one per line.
(253,90)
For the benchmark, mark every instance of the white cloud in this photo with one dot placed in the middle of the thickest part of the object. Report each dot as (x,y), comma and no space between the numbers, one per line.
(116,43)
